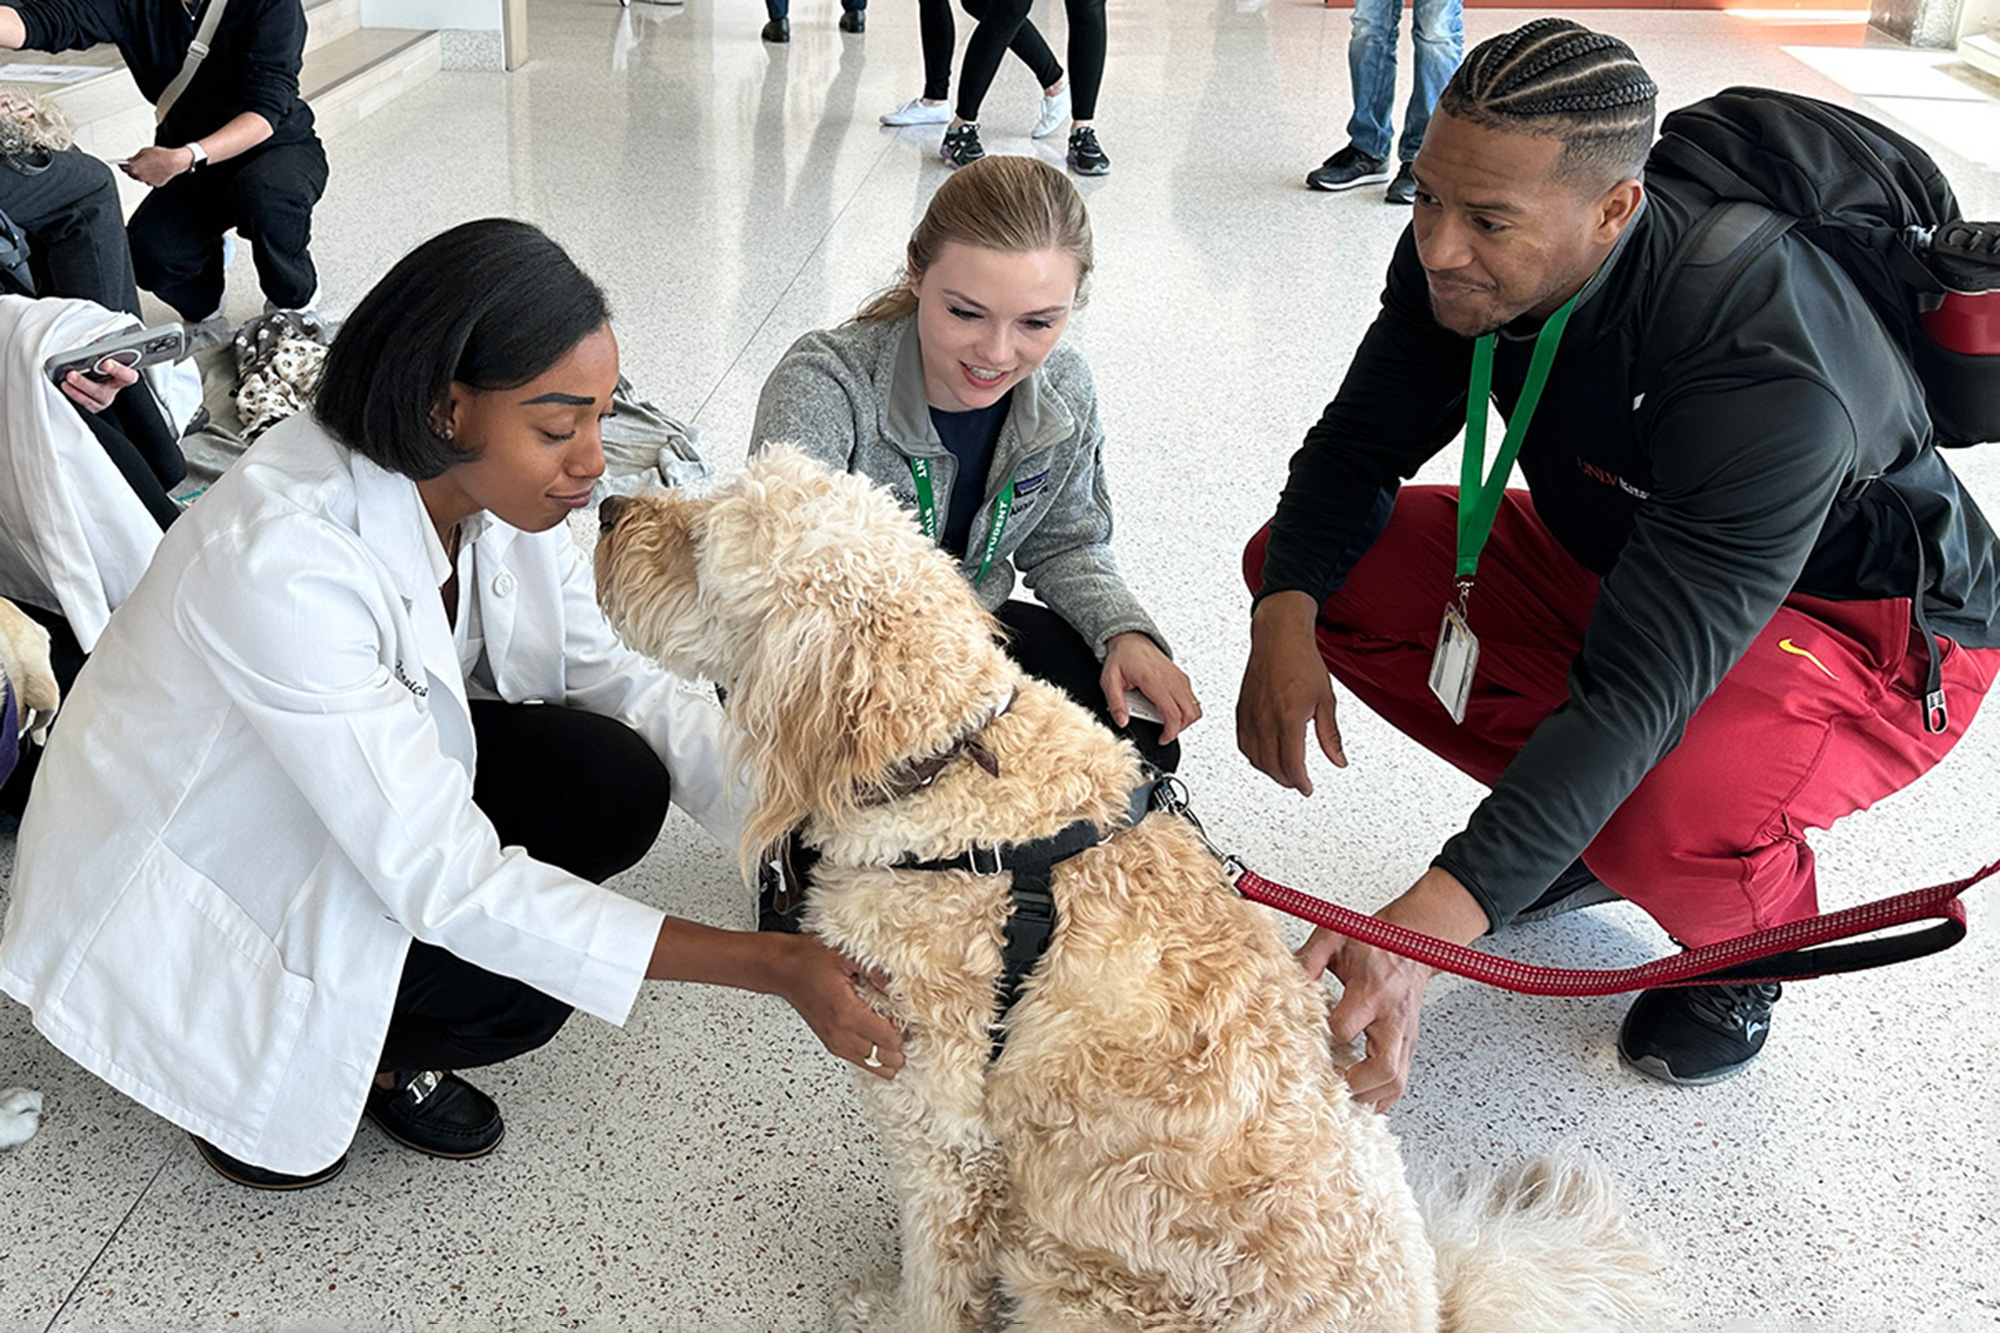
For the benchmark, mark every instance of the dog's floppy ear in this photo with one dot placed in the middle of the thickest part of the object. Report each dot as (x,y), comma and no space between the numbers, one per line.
(857,644)
(816,702)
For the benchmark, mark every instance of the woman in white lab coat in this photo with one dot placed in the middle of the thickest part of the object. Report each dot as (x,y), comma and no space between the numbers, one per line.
(326,814)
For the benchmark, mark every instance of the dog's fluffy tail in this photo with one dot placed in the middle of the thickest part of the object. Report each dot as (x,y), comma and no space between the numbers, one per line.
(1543,1245)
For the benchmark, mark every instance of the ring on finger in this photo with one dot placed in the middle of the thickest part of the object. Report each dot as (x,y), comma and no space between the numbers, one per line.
(874,1060)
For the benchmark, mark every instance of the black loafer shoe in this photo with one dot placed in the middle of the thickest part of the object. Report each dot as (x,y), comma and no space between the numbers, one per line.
(777,909)
(437,1112)
(853,20)
(777,31)
(256,1177)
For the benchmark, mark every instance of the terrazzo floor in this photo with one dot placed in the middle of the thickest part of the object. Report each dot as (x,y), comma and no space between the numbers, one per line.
(706,1169)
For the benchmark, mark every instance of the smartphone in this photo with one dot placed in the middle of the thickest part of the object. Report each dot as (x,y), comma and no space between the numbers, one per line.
(136,348)
(1139,706)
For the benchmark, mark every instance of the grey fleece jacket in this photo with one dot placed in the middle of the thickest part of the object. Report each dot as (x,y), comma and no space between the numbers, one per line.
(853,397)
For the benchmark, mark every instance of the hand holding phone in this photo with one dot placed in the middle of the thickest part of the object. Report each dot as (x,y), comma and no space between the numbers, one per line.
(134,349)
(93,393)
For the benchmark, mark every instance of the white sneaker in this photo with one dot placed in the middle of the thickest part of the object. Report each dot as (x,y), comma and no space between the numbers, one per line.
(917,111)
(1055,110)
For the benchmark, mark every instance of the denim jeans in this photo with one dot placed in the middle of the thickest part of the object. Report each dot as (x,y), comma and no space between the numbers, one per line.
(1437,28)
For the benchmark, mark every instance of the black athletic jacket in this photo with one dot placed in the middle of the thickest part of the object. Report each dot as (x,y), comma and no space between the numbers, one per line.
(1755,463)
(253,66)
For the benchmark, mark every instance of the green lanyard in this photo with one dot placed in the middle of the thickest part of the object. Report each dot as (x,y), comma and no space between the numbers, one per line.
(1479,493)
(920,473)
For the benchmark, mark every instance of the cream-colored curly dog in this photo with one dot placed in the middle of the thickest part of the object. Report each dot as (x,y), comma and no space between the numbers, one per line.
(1164,1142)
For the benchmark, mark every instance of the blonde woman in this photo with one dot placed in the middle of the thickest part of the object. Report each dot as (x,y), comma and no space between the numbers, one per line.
(953,388)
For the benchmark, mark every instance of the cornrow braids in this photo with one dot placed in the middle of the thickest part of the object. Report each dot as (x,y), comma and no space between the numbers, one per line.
(1558,78)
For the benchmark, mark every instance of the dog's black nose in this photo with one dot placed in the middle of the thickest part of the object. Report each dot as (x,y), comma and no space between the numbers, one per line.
(608,512)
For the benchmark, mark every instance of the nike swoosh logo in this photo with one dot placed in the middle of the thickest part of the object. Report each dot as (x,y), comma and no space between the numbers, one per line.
(1786,645)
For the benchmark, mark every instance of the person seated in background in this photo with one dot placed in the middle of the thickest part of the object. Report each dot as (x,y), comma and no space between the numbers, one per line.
(235,147)
(66,203)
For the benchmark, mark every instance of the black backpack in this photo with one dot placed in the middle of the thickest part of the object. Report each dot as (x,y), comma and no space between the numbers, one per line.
(1875,203)
(14,275)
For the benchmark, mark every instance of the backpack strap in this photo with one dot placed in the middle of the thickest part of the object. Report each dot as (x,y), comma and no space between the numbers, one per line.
(1703,269)
(211,19)
(14,273)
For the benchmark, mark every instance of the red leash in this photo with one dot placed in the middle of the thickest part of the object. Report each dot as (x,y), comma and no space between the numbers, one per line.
(1782,953)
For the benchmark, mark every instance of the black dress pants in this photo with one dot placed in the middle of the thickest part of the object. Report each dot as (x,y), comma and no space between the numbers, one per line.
(1048,648)
(573,789)
(267,195)
(67,203)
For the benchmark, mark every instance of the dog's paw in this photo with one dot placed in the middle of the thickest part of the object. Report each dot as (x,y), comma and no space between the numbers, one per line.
(866,1306)
(20,1115)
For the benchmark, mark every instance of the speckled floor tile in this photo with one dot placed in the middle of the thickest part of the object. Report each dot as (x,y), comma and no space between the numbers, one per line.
(707,1167)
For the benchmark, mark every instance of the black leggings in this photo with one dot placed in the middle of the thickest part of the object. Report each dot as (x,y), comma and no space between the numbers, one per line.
(1001,20)
(573,789)
(934,21)
(1048,648)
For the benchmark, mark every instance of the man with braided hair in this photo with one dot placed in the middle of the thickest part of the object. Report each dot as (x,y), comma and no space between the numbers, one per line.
(1694,631)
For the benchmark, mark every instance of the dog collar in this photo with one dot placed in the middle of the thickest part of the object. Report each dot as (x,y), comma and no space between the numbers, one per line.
(913,775)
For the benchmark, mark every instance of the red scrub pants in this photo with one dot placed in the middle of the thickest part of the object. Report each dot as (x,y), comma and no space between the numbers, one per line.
(1819,718)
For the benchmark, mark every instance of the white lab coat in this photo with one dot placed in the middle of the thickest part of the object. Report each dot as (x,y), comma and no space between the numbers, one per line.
(74,537)
(260,791)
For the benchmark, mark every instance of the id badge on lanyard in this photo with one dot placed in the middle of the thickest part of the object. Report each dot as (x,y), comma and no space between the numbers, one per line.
(1456,660)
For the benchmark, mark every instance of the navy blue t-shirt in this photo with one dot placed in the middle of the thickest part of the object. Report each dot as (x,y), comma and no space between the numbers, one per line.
(970,436)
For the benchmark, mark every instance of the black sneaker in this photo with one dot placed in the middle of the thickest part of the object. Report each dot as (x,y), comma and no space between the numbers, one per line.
(437,1112)
(256,1177)
(853,20)
(1348,168)
(1697,1034)
(1574,888)
(1403,189)
(961,147)
(778,31)
(1085,157)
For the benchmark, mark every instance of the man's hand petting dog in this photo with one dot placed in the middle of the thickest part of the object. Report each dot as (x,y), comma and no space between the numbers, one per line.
(1382,994)
(824,986)
(93,396)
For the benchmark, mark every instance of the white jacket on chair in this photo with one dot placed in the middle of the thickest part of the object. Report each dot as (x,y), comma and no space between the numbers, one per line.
(261,792)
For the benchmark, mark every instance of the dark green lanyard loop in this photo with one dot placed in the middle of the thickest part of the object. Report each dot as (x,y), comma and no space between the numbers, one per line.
(1479,492)
(1003,506)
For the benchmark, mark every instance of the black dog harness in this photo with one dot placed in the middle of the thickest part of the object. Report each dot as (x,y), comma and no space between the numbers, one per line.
(1031,912)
